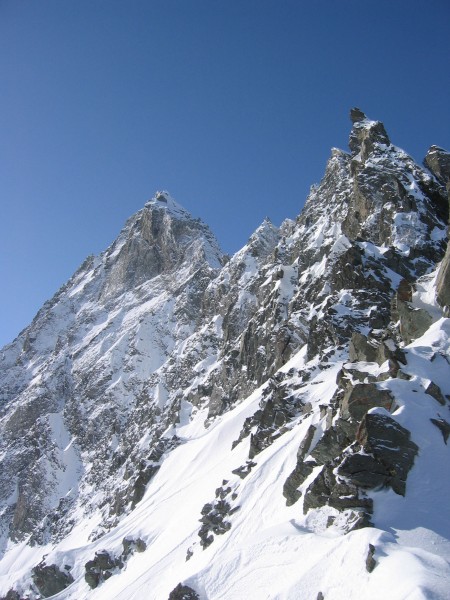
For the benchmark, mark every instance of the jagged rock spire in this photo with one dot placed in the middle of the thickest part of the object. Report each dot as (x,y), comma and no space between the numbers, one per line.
(438,161)
(365,134)
(357,115)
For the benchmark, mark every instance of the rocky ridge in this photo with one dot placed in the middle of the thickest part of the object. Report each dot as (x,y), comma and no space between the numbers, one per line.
(313,320)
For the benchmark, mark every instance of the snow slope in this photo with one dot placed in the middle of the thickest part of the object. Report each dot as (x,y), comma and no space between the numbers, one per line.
(273,551)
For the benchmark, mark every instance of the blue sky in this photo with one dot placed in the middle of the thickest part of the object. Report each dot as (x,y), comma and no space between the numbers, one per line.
(232,106)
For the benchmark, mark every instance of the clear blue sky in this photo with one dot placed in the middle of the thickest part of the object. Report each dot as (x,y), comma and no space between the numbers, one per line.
(231,105)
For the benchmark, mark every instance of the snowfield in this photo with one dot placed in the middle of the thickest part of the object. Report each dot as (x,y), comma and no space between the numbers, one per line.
(273,551)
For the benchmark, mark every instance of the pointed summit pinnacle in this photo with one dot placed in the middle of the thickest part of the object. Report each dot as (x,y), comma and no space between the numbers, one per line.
(162,196)
(366,134)
(163,200)
(357,115)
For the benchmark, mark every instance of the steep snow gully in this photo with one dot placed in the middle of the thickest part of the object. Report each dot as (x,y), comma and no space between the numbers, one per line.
(178,424)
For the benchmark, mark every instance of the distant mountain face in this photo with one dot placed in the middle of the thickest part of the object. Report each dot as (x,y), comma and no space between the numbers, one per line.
(245,427)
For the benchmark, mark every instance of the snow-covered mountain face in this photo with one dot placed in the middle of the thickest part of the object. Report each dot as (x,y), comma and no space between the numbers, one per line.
(270,425)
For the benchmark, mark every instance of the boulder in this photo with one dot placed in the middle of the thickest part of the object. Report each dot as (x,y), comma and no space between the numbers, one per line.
(183,592)
(414,322)
(130,546)
(362,397)
(50,580)
(364,470)
(101,568)
(305,444)
(371,563)
(443,426)
(387,454)
(331,444)
(434,391)
(325,490)
(301,471)
(361,349)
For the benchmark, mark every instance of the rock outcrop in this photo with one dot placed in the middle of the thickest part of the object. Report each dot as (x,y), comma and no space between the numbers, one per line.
(50,580)
(183,592)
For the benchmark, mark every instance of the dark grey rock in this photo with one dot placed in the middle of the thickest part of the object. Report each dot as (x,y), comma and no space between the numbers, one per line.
(140,485)
(50,580)
(357,115)
(104,561)
(92,578)
(361,398)
(358,519)
(365,134)
(277,407)
(388,455)
(364,471)
(325,490)
(130,546)
(244,470)
(305,444)
(434,391)
(361,349)
(414,322)
(101,568)
(438,161)
(371,563)
(443,283)
(214,516)
(443,426)
(183,592)
(12,595)
(301,471)
(331,444)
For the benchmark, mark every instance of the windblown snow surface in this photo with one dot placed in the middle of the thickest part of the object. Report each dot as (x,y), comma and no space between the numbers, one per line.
(273,551)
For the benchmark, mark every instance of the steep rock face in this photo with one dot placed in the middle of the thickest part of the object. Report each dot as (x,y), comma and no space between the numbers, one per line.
(300,340)
(73,382)
(162,238)
(233,298)
(438,161)
(443,283)
(375,223)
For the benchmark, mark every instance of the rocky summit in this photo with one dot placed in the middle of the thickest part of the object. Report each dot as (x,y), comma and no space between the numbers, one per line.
(177,423)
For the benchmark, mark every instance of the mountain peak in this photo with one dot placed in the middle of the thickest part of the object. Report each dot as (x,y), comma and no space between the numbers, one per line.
(357,115)
(158,239)
(163,200)
(365,134)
